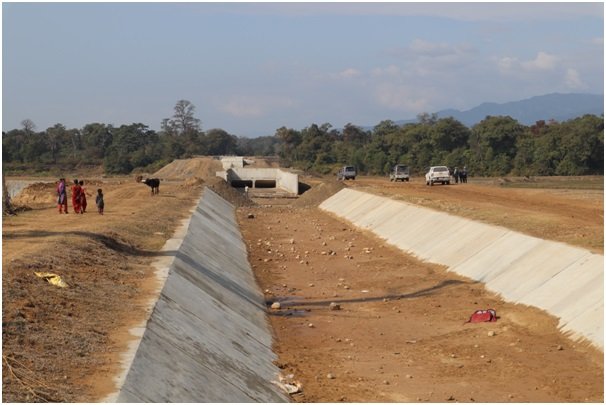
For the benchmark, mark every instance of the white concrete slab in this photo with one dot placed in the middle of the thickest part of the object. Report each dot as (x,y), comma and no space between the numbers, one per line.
(566,281)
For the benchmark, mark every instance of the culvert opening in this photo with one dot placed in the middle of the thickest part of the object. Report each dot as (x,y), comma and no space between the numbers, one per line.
(265,184)
(241,183)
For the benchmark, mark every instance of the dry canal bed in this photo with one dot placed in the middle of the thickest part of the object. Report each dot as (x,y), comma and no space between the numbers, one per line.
(400,333)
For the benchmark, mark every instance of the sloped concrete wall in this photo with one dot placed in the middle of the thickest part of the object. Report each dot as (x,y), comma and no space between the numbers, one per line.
(208,339)
(566,281)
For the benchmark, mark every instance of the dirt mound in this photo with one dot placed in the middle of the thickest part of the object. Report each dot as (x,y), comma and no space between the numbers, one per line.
(202,167)
(194,181)
(318,193)
(37,193)
(41,193)
(229,193)
(266,162)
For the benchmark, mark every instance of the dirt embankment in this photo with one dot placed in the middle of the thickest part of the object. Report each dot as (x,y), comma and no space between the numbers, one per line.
(572,215)
(63,344)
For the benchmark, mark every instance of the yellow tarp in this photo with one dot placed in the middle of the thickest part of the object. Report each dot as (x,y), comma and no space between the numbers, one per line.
(52,278)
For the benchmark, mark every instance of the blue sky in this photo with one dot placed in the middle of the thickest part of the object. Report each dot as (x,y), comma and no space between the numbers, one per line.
(250,68)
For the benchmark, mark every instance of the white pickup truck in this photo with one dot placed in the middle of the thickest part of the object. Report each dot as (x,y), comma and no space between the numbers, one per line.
(437,174)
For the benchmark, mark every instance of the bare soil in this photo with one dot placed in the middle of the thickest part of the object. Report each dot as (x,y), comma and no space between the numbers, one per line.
(398,336)
(64,344)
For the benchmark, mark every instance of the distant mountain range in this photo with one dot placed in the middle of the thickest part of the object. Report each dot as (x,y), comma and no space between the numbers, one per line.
(556,106)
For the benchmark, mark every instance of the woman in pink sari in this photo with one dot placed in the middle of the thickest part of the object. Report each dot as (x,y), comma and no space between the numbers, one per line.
(62,196)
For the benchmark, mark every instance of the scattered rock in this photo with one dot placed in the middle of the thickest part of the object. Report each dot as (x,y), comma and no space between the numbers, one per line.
(559,347)
(491,333)
(330,376)
(334,306)
(276,305)
(250,216)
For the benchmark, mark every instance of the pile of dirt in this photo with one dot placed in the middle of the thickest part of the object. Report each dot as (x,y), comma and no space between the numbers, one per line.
(318,193)
(256,162)
(193,182)
(229,193)
(44,194)
(37,193)
(201,167)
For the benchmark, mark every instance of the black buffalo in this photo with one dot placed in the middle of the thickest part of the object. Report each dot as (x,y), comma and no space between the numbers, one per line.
(154,184)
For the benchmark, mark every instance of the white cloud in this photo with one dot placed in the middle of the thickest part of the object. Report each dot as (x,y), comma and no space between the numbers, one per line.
(573,80)
(401,97)
(543,61)
(392,71)
(431,49)
(348,73)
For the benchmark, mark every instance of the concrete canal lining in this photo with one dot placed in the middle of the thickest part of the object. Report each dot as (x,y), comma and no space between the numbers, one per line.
(566,281)
(208,338)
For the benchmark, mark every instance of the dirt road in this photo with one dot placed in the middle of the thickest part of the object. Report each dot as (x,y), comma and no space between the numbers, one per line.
(399,334)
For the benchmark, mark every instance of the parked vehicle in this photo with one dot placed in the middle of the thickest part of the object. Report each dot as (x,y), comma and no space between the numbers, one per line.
(347,173)
(437,174)
(399,172)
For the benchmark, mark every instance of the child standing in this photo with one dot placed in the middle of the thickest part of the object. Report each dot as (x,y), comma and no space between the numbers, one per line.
(100,203)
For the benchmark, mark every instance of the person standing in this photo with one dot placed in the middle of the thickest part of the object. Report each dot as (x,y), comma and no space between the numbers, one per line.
(456,175)
(76,190)
(99,201)
(82,198)
(62,196)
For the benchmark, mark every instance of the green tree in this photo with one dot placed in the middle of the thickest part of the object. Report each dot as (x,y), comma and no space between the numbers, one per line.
(54,137)
(219,142)
(183,121)
(493,141)
(96,139)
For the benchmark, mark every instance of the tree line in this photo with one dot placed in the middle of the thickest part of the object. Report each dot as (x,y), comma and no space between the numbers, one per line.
(496,146)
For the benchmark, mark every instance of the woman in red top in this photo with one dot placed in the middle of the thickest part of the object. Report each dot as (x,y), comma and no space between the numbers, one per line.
(82,198)
(76,191)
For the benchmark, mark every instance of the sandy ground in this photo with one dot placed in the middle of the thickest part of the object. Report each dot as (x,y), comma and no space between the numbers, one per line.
(398,336)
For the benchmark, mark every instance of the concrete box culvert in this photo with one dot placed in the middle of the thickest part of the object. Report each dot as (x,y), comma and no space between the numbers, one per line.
(208,338)
(566,281)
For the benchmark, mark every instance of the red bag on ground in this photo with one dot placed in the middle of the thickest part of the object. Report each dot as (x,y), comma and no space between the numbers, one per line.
(483,315)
